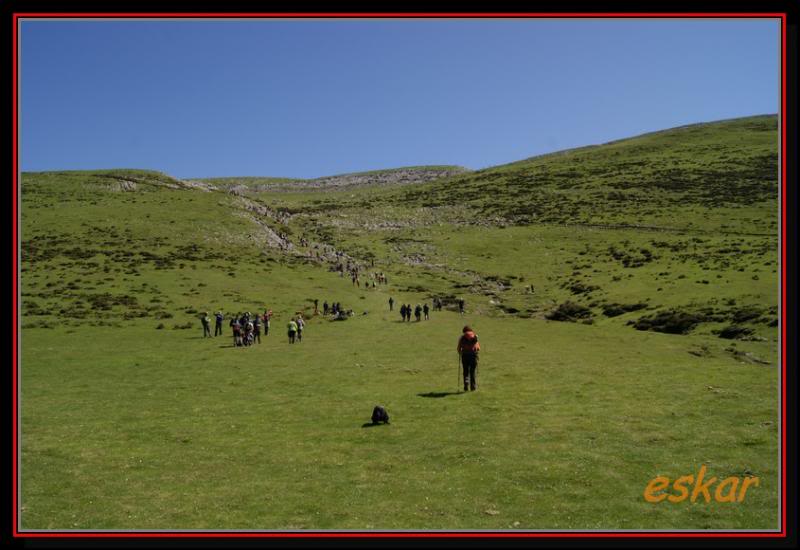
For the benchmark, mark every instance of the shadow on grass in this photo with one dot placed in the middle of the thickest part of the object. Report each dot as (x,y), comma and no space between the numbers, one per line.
(440,393)
(371,425)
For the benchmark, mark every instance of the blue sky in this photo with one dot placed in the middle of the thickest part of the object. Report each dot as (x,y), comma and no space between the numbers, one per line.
(313,98)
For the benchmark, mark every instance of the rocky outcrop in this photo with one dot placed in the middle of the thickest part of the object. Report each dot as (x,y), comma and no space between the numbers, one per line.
(397,176)
(400,176)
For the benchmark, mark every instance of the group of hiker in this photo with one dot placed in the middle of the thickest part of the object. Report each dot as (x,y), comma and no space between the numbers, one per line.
(246,327)
(247,330)
(406,310)
(374,279)
(336,310)
(295,328)
(423,310)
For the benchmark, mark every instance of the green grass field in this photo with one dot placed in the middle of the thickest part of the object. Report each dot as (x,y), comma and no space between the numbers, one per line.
(659,255)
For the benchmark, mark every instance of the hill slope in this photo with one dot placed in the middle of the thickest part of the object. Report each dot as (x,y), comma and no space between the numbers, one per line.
(625,296)
(393,177)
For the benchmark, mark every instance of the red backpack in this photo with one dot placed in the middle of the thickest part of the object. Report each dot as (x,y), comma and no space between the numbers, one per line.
(469,343)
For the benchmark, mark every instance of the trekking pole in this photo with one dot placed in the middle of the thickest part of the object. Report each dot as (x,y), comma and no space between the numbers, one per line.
(458,373)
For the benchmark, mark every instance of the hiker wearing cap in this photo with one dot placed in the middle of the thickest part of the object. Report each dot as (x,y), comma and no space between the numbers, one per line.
(218,325)
(292,330)
(468,348)
(206,324)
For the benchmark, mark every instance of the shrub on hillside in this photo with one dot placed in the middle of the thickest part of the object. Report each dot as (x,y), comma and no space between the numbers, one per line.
(613,310)
(569,311)
(734,332)
(671,322)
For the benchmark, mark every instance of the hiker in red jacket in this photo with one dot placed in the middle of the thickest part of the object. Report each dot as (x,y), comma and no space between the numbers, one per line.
(468,348)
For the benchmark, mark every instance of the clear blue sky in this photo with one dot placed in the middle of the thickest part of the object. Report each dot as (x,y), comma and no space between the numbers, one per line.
(314,98)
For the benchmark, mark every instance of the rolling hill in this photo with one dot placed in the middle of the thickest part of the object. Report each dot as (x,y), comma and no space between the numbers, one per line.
(626,297)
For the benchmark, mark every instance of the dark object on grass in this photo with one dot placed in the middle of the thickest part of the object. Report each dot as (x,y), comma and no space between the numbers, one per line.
(613,310)
(379,414)
(670,322)
(570,312)
(735,332)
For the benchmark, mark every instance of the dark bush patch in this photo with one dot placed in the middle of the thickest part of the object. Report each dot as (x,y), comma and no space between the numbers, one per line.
(417,288)
(106,301)
(734,332)
(134,314)
(613,310)
(580,288)
(670,322)
(570,312)
(745,314)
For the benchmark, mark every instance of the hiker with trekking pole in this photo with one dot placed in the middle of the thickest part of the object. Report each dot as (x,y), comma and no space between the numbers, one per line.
(468,348)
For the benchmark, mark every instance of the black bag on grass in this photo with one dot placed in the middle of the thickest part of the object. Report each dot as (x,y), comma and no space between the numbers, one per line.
(379,414)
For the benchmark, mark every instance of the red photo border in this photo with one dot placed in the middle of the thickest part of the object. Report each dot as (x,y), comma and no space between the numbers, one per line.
(384,534)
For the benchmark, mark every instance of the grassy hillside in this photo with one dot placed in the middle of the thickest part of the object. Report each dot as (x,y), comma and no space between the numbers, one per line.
(393,176)
(625,296)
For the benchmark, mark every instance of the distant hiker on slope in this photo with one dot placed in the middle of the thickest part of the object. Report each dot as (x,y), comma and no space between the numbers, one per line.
(301,324)
(391,303)
(206,320)
(461,306)
(248,332)
(417,312)
(292,330)
(237,332)
(218,325)
(257,328)
(231,324)
(468,348)
(266,318)
(426,310)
